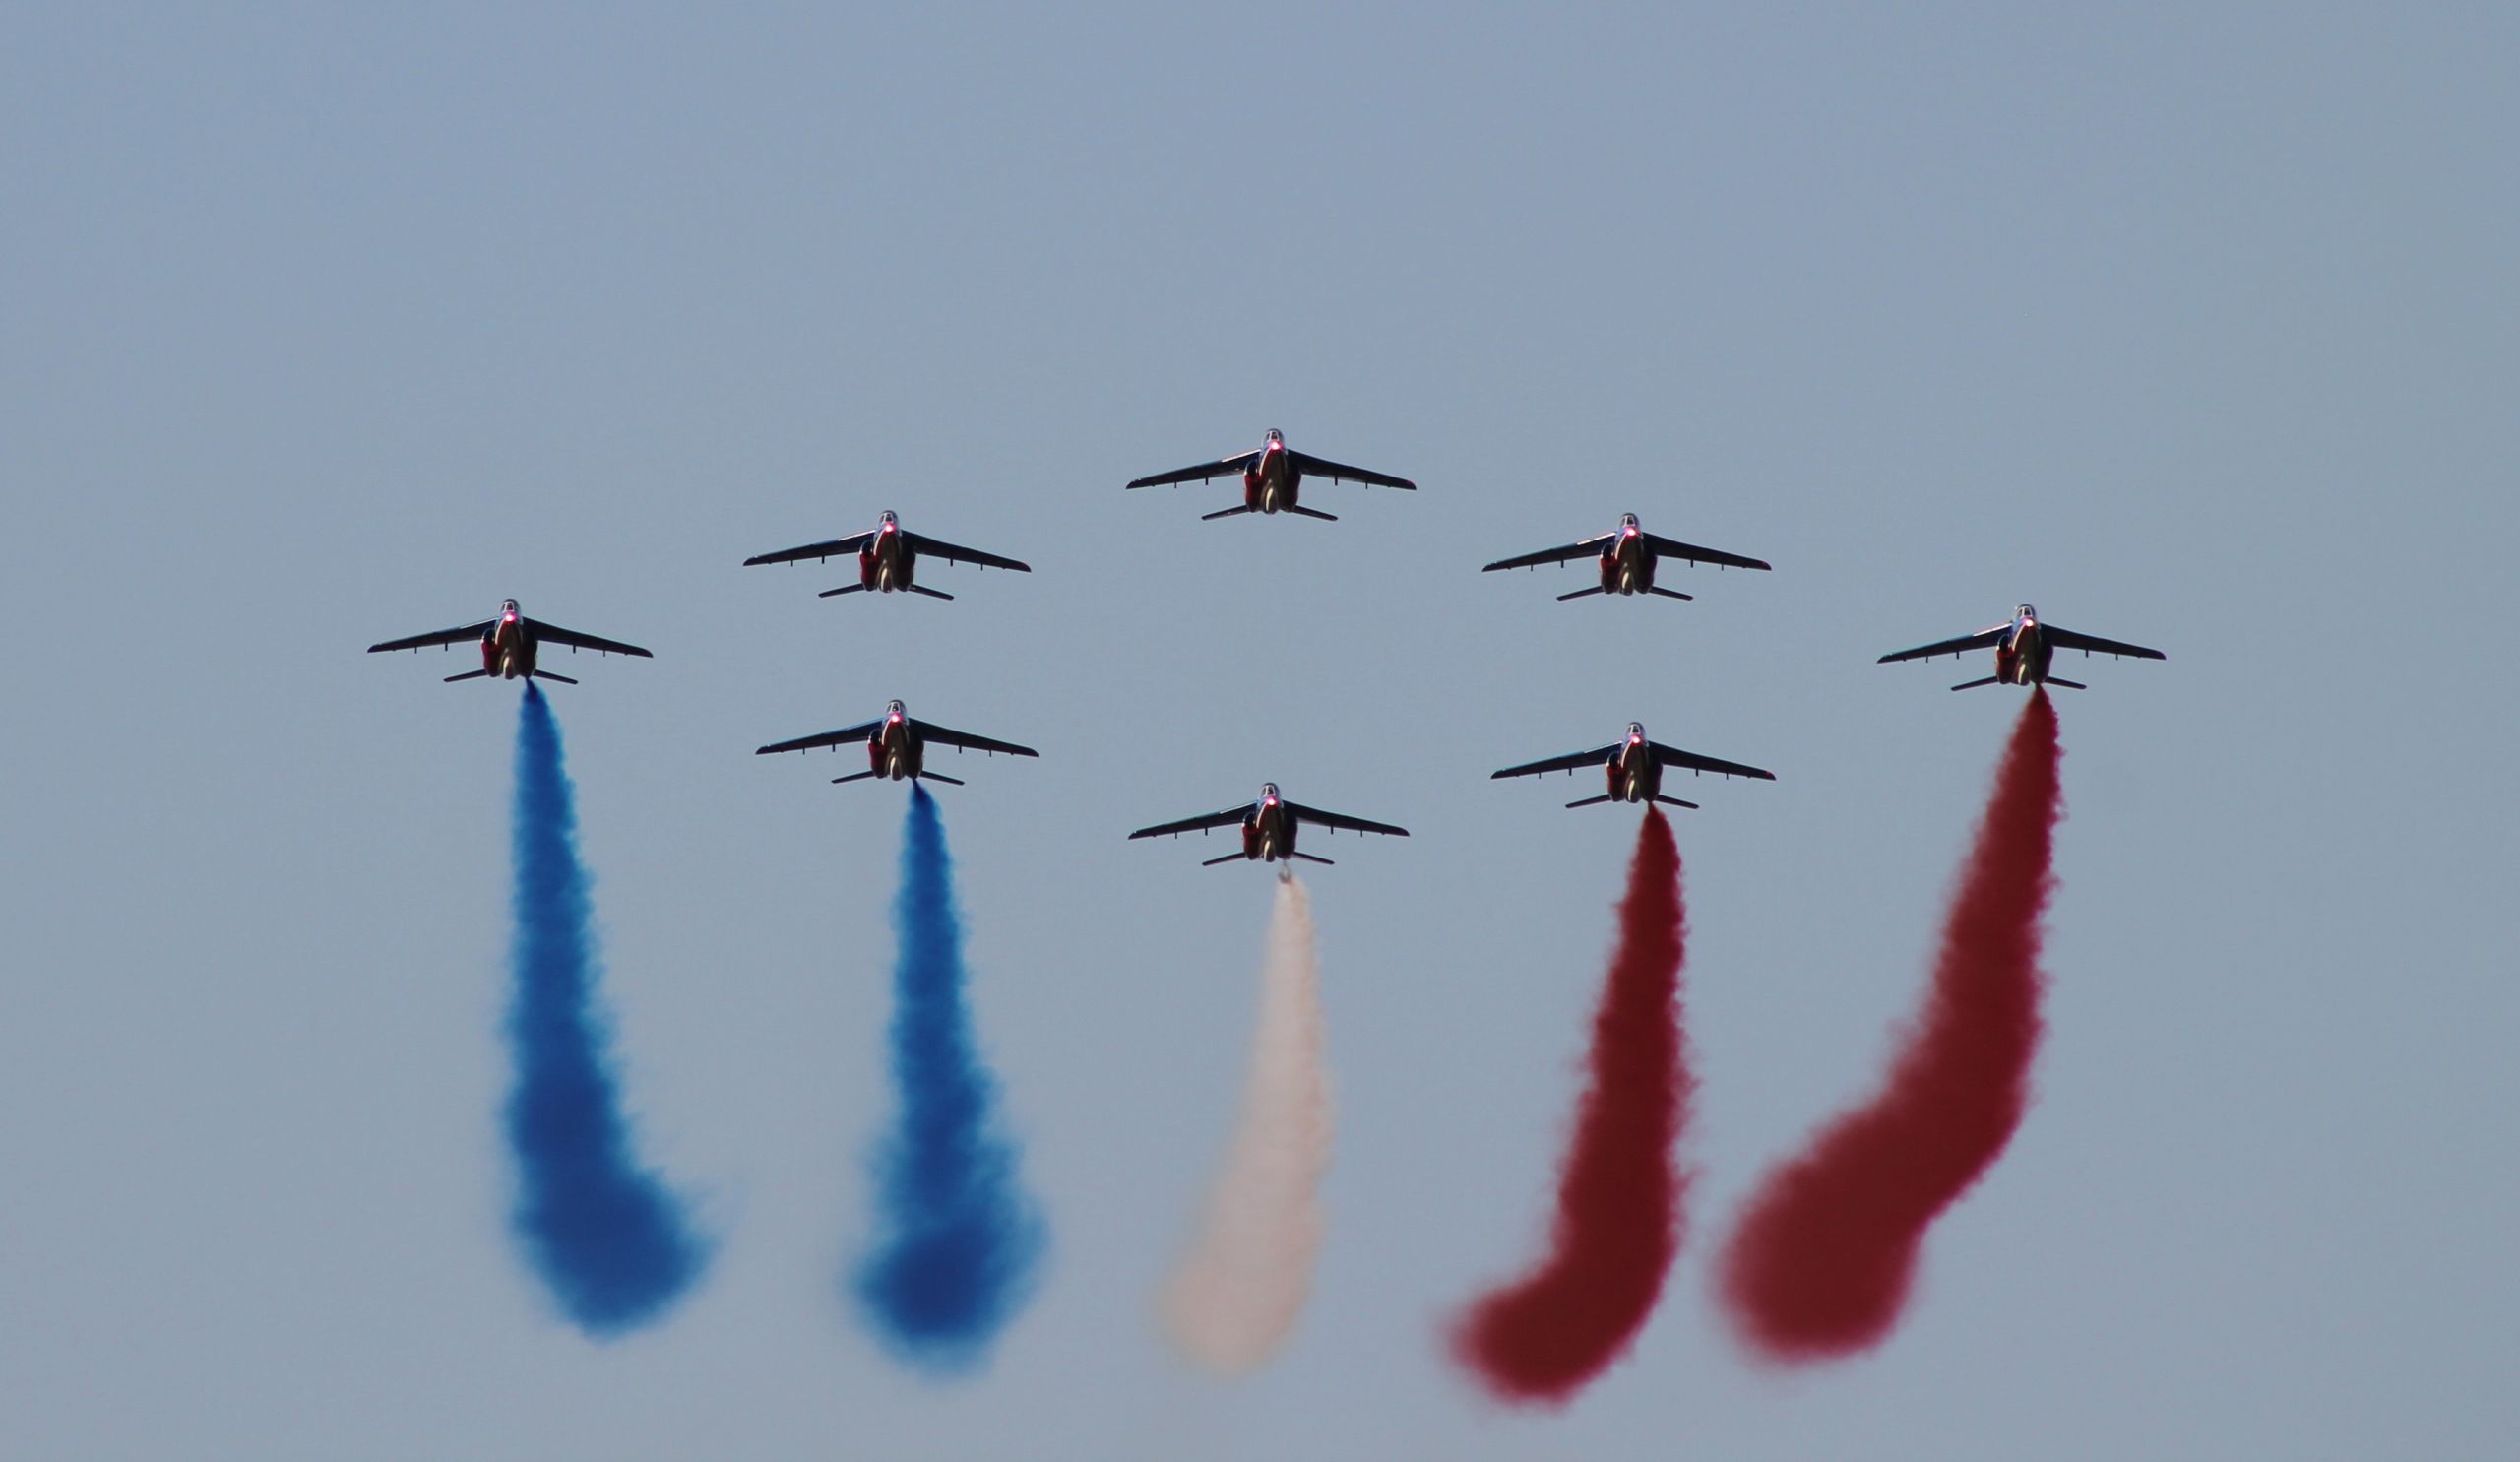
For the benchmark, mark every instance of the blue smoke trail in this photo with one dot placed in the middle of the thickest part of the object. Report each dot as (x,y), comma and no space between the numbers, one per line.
(962,1242)
(609,1240)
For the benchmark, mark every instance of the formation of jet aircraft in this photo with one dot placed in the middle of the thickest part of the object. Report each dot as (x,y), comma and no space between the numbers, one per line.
(1268,826)
(511,645)
(897,745)
(2023,646)
(1273,478)
(1627,555)
(888,558)
(1634,767)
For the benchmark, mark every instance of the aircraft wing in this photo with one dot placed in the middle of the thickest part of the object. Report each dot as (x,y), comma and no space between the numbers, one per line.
(957,554)
(816,551)
(930,731)
(1583,548)
(1229,817)
(1598,756)
(1341,820)
(1672,756)
(1984,639)
(1318,467)
(455,636)
(2067,639)
(1673,548)
(1200,472)
(576,640)
(841,738)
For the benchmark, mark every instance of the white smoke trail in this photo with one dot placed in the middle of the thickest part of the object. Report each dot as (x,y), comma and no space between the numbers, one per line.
(1239,1288)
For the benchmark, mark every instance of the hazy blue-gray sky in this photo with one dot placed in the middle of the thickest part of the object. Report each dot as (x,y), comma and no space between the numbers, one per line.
(2195,325)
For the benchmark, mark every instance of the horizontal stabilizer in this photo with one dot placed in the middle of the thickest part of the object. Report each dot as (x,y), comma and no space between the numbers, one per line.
(1674,802)
(1974,684)
(1670,593)
(930,592)
(854,777)
(1223,512)
(467,675)
(941,777)
(1231,858)
(842,588)
(2068,685)
(547,675)
(1312,857)
(1324,517)
(1590,801)
(1580,593)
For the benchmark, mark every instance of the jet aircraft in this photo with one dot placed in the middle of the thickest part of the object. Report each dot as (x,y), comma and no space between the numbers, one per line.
(888,558)
(1269,828)
(1273,478)
(1627,556)
(897,746)
(2024,645)
(1634,766)
(510,645)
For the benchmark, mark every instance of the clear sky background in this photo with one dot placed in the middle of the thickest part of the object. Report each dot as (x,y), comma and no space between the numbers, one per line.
(2197,326)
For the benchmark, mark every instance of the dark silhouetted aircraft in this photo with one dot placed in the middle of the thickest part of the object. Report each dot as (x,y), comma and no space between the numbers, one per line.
(1273,478)
(888,558)
(897,746)
(1268,828)
(509,645)
(1634,766)
(1627,557)
(2023,647)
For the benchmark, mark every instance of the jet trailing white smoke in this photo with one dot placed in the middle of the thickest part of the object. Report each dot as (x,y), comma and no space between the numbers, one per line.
(1240,1287)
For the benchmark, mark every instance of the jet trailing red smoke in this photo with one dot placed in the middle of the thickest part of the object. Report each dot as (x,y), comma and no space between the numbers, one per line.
(1544,1338)
(1821,1264)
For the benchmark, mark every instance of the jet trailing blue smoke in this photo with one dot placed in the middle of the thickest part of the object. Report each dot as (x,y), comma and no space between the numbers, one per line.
(961,1242)
(611,1241)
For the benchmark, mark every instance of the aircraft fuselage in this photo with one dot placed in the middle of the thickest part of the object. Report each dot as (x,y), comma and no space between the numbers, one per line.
(894,750)
(1627,565)
(1634,775)
(1272,484)
(2022,657)
(507,648)
(888,562)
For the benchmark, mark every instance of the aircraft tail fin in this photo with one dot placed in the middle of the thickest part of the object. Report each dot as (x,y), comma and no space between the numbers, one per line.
(2068,685)
(1231,858)
(930,592)
(1674,802)
(1581,594)
(1224,512)
(854,777)
(1590,801)
(467,675)
(1311,513)
(941,777)
(842,588)
(1974,684)
(548,675)
(1670,593)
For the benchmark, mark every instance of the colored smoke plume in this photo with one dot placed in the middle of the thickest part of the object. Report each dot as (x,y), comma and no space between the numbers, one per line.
(1237,1291)
(961,1242)
(1821,1264)
(610,1240)
(1544,1338)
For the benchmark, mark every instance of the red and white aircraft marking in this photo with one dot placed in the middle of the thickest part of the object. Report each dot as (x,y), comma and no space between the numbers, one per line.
(1627,556)
(2023,646)
(1269,828)
(888,558)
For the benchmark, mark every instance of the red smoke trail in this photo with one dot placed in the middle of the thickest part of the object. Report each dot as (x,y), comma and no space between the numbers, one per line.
(1618,1198)
(1822,1261)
